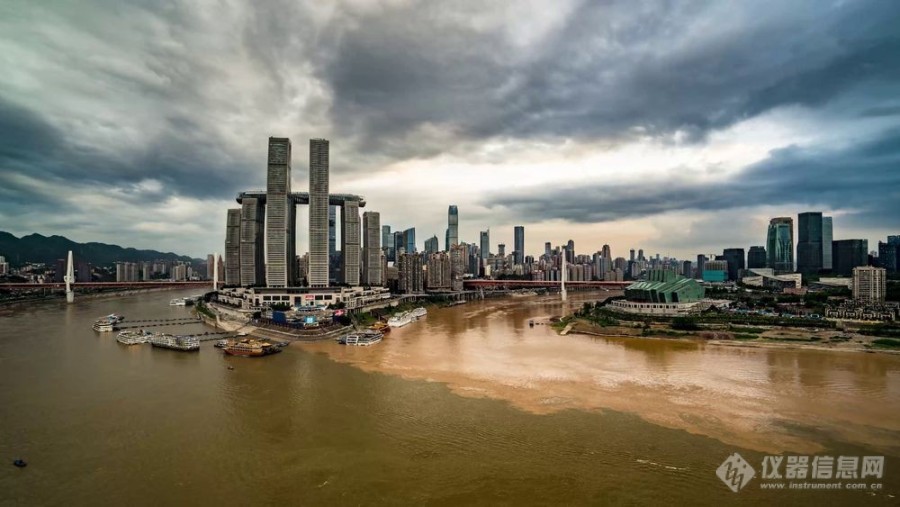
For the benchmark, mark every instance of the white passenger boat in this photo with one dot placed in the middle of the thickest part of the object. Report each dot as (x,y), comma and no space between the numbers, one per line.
(177,302)
(400,319)
(418,313)
(175,342)
(104,325)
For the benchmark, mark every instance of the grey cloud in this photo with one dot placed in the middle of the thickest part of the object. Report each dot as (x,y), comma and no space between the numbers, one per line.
(611,68)
(862,179)
(420,78)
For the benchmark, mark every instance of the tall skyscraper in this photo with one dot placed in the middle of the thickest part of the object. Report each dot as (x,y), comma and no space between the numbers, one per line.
(485,244)
(607,252)
(756,257)
(847,254)
(253,219)
(318,216)
(387,242)
(519,244)
(780,244)
(701,265)
(452,226)
(888,256)
(631,255)
(372,248)
(501,250)
(432,245)
(399,246)
(735,258)
(349,242)
(281,215)
(233,247)
(570,252)
(809,242)
(548,249)
(827,238)
(409,240)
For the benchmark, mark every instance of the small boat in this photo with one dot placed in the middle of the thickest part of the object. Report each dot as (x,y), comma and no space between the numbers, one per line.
(177,302)
(418,313)
(220,344)
(129,337)
(381,327)
(115,318)
(20,463)
(530,323)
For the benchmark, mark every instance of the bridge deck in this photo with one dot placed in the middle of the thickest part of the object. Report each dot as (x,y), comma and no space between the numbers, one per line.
(303,198)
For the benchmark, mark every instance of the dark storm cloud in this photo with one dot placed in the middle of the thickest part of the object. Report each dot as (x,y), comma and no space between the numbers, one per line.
(184,159)
(611,70)
(109,94)
(864,178)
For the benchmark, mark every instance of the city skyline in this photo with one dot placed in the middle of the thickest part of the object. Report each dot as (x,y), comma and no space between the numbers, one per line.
(621,149)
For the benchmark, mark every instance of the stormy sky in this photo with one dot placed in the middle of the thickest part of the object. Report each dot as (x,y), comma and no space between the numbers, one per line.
(676,127)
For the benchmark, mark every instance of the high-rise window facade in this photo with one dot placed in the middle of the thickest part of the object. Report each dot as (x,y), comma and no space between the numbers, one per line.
(318,213)
(780,244)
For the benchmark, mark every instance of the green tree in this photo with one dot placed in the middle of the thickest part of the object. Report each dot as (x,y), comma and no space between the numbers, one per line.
(685,324)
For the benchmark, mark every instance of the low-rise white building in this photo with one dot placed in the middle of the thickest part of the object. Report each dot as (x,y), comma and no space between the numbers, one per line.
(264,297)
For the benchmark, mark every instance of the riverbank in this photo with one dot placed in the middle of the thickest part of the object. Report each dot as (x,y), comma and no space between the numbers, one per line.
(106,294)
(747,337)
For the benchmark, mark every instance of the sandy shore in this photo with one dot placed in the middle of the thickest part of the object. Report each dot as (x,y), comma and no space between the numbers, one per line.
(776,338)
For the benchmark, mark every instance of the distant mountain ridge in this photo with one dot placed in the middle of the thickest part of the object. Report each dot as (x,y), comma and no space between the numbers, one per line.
(38,248)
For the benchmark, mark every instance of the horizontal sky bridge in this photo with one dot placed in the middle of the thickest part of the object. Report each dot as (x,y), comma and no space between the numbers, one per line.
(303,197)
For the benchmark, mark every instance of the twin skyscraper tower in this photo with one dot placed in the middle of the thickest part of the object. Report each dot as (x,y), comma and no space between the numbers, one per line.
(260,236)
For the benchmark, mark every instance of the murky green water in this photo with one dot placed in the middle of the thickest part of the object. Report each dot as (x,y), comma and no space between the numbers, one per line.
(103,424)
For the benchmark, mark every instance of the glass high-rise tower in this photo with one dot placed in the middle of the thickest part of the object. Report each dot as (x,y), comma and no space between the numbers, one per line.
(452,226)
(780,244)
(809,242)
(318,213)
(519,244)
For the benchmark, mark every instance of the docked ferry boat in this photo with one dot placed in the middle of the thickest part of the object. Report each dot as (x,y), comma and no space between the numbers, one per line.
(250,347)
(129,337)
(418,313)
(363,339)
(175,342)
(400,319)
(104,325)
